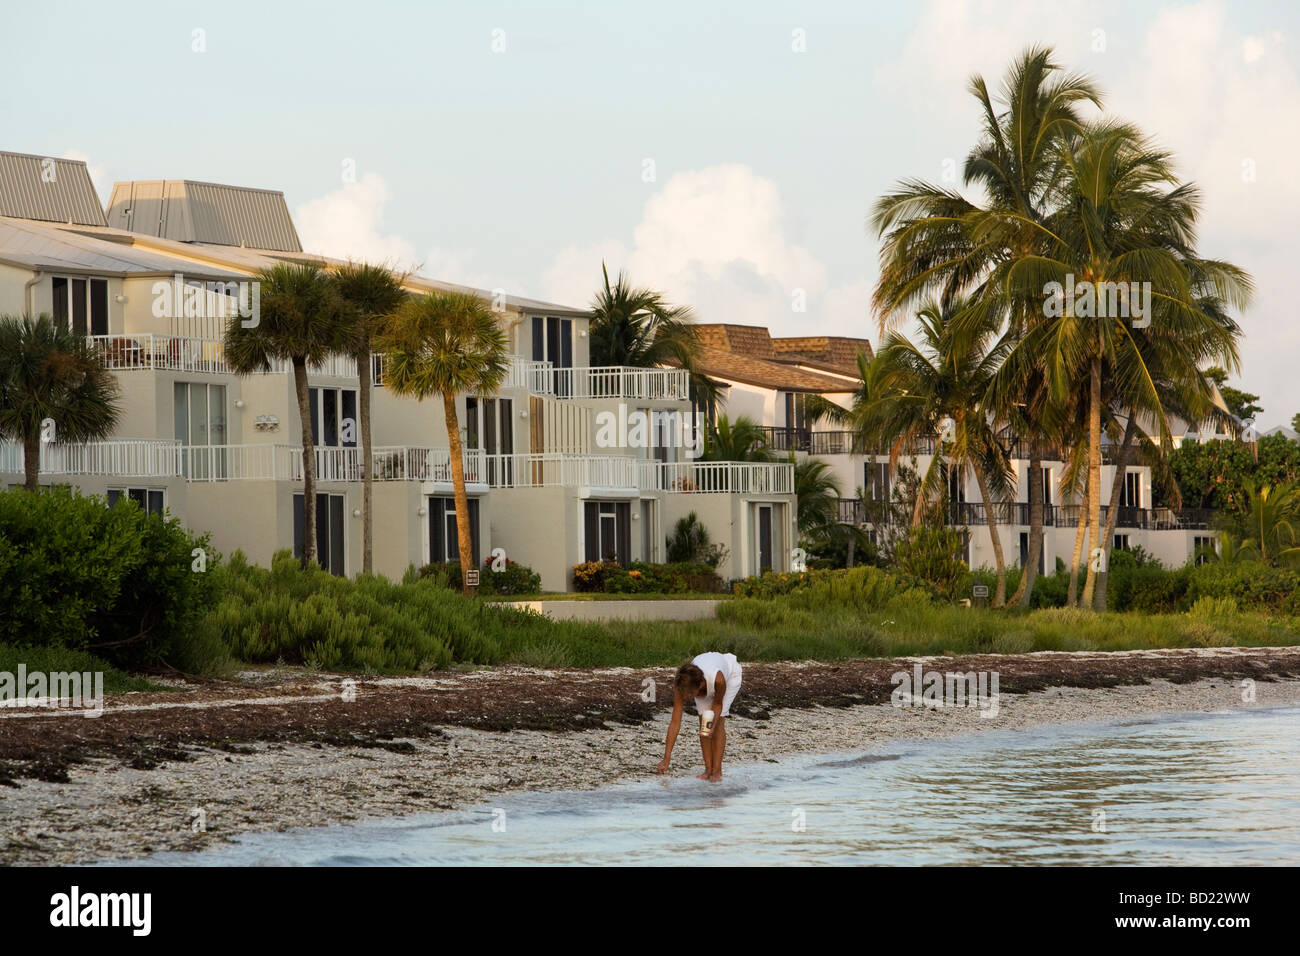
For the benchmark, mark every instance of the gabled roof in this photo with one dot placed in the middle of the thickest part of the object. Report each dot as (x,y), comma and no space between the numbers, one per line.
(48,190)
(190,211)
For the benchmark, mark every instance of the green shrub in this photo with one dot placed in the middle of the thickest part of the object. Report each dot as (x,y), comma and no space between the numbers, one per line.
(1252,584)
(590,575)
(689,544)
(118,582)
(646,578)
(514,578)
(864,586)
(933,553)
(308,616)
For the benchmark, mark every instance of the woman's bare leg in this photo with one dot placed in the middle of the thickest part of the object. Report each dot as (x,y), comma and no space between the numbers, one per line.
(719,747)
(706,745)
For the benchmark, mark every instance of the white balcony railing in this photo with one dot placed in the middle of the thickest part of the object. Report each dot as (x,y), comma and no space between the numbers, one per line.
(620,381)
(717,477)
(129,458)
(162,352)
(154,458)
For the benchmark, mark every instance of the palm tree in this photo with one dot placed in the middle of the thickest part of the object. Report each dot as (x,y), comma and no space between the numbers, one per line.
(741,440)
(301,322)
(447,343)
(370,294)
(638,328)
(937,241)
(1270,529)
(940,383)
(817,494)
(1117,222)
(48,373)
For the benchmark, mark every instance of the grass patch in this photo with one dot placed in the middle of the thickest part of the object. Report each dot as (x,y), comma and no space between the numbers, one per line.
(53,659)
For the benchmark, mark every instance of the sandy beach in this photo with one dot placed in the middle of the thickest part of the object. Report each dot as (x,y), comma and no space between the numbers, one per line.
(283,749)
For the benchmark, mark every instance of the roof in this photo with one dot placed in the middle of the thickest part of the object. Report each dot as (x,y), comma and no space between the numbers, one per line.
(190,211)
(832,352)
(48,189)
(735,367)
(51,248)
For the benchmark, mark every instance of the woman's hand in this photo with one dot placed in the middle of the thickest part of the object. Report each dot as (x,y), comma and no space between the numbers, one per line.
(663,766)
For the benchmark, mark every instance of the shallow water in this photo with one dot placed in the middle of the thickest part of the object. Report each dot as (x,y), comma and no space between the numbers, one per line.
(1221,789)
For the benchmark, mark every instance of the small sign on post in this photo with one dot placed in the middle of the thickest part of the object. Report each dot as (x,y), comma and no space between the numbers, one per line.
(471,578)
(980,593)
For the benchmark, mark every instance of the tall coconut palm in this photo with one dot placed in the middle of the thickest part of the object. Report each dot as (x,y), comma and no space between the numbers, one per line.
(1269,531)
(301,322)
(639,328)
(447,344)
(935,388)
(370,294)
(48,373)
(1122,218)
(936,241)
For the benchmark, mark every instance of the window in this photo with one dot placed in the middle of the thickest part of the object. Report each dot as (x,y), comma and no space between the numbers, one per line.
(553,342)
(608,526)
(1024,551)
(329,531)
(81,304)
(444,542)
(1132,490)
(490,427)
(1204,548)
(649,535)
(875,483)
(199,413)
(1121,542)
(764,538)
(1047,487)
(150,499)
(333,417)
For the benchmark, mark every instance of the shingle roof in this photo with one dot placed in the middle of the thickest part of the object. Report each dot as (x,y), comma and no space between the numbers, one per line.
(48,189)
(190,211)
(735,367)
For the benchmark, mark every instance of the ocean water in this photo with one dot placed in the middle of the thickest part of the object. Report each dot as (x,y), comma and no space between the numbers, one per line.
(1218,789)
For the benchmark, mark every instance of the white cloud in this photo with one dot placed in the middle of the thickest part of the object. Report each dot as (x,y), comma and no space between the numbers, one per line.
(716,239)
(346,224)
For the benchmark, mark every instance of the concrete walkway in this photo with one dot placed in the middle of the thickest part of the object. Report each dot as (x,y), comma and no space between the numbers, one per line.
(622,610)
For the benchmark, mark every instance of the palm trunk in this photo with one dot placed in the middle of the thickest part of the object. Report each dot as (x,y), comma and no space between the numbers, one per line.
(1000,591)
(308,463)
(464,539)
(367,463)
(1094,479)
(32,461)
(1117,486)
(1029,573)
(1079,533)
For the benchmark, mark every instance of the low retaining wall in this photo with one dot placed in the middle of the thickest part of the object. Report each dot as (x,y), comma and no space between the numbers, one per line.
(622,610)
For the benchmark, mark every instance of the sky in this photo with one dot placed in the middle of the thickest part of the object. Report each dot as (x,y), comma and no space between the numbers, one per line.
(726,154)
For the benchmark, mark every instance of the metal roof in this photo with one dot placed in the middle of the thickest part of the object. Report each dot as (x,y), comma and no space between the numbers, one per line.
(51,248)
(189,211)
(48,189)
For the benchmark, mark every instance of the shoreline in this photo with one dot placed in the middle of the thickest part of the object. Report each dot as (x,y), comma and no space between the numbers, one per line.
(281,752)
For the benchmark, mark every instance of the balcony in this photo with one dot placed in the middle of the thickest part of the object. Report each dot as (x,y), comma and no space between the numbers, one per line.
(972,514)
(717,477)
(130,458)
(168,353)
(599,381)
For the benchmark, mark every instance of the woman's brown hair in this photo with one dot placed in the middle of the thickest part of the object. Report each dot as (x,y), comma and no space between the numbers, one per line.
(690,681)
